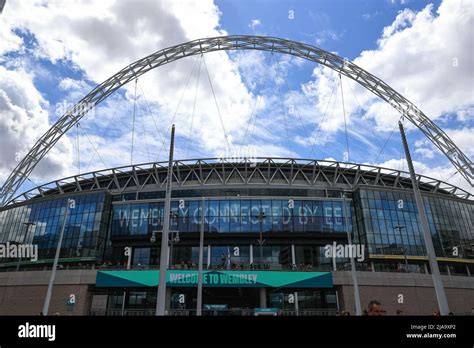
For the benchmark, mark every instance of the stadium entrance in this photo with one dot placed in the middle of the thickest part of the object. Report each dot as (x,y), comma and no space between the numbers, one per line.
(224,292)
(216,301)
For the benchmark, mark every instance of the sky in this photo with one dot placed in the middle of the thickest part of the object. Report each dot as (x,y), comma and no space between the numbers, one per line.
(236,103)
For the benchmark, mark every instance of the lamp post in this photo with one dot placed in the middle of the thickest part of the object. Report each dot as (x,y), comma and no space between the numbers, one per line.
(71,204)
(161,293)
(174,238)
(201,252)
(403,249)
(27,224)
(404,252)
(425,229)
(261,241)
(353,266)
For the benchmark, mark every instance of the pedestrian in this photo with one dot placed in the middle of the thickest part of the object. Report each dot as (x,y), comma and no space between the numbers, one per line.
(375,308)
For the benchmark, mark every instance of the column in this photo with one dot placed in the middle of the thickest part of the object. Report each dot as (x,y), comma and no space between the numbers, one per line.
(251,254)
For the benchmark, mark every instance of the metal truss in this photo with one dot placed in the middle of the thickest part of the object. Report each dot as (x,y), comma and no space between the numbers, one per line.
(226,43)
(265,172)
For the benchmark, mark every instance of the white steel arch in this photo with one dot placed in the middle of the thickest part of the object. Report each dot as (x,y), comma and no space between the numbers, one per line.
(224,43)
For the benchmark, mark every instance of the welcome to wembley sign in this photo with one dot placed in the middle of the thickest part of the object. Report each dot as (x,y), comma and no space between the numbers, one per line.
(215,278)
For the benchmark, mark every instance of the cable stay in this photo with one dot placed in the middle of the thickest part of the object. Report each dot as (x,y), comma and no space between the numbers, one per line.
(325,115)
(323,119)
(381,145)
(217,106)
(402,151)
(176,110)
(77,150)
(93,147)
(150,158)
(254,115)
(386,141)
(285,121)
(133,121)
(331,119)
(345,122)
(194,107)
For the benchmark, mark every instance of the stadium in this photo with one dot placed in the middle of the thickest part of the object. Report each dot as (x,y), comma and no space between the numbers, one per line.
(266,222)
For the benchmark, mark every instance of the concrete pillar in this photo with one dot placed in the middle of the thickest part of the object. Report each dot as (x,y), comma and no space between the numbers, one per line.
(297,305)
(293,257)
(208,255)
(251,253)
(263,298)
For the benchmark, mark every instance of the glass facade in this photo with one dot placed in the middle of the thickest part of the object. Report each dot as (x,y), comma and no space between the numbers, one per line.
(386,222)
(232,216)
(40,223)
(389,224)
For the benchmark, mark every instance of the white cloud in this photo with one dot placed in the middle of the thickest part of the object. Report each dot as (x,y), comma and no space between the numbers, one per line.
(254,23)
(425,152)
(416,55)
(444,173)
(424,56)
(326,35)
(463,138)
(101,38)
(23,119)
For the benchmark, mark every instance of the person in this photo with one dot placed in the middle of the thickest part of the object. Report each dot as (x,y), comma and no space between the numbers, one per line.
(223,258)
(399,312)
(375,308)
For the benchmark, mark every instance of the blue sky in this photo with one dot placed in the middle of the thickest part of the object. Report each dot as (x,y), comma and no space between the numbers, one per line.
(53,53)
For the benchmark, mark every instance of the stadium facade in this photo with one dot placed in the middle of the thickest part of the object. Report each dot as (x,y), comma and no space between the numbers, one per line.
(267,225)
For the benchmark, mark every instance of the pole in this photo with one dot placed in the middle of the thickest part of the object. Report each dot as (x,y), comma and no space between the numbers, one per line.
(129,264)
(161,295)
(261,216)
(47,300)
(297,306)
(353,267)
(171,242)
(201,252)
(437,281)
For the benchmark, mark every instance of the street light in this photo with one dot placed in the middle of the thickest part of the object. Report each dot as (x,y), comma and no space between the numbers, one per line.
(71,204)
(201,252)
(261,216)
(403,249)
(353,266)
(174,238)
